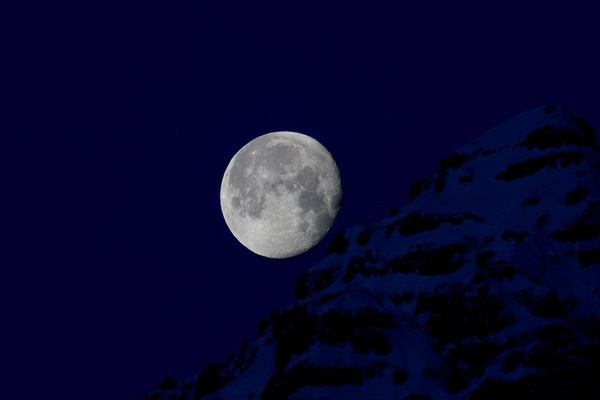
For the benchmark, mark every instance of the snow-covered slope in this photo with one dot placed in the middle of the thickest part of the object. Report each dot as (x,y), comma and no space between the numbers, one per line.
(485,286)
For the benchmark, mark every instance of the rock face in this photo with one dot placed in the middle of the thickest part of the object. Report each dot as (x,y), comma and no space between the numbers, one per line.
(485,286)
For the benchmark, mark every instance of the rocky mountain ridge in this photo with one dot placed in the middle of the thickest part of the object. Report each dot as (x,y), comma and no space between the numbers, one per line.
(485,286)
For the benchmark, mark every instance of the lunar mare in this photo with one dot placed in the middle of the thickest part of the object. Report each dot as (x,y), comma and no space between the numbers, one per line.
(281,193)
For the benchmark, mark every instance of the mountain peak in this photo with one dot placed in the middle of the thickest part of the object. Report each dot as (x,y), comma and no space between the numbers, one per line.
(484,286)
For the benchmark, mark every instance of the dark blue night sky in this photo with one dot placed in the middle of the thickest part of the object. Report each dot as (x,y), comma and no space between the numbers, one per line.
(118,267)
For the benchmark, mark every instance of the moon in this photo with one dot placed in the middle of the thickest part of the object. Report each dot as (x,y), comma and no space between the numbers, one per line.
(281,193)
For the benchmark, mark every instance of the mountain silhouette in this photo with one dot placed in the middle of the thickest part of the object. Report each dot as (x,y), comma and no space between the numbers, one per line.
(485,286)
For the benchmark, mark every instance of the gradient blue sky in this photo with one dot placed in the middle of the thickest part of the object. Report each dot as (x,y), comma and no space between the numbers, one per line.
(117,267)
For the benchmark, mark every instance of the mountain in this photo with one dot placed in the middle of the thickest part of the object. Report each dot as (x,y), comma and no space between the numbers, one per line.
(485,286)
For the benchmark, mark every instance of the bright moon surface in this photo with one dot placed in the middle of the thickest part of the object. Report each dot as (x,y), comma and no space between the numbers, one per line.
(281,193)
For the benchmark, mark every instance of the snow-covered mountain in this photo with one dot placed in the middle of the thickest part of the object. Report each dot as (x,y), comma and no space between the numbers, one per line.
(485,286)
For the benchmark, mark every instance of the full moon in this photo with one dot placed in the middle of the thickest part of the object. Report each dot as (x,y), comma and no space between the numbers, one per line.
(281,193)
